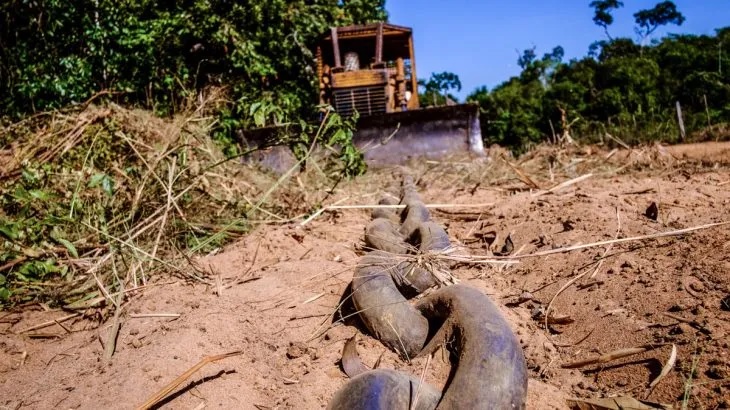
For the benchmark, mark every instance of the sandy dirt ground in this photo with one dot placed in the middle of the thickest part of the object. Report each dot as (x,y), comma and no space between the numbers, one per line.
(277,288)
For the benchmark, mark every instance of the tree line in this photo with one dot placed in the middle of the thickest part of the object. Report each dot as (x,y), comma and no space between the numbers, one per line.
(624,88)
(160,54)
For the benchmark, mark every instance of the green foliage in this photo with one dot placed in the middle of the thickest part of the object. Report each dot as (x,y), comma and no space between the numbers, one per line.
(512,113)
(602,16)
(436,89)
(622,88)
(53,53)
(34,213)
(647,21)
(63,210)
(161,56)
(336,132)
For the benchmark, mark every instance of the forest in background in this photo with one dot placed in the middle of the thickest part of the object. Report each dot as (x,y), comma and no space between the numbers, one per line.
(158,55)
(624,88)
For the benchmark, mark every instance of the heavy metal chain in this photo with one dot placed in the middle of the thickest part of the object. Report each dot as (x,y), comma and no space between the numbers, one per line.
(406,260)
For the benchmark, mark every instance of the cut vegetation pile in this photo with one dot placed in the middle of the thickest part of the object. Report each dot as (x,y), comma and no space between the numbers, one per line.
(97,199)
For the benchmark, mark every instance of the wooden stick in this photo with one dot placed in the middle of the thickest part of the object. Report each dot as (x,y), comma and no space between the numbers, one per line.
(522,175)
(13,263)
(514,258)
(440,206)
(618,141)
(111,341)
(147,315)
(160,395)
(581,340)
(566,286)
(165,214)
(614,355)
(50,322)
(608,248)
(676,232)
(563,184)
(420,382)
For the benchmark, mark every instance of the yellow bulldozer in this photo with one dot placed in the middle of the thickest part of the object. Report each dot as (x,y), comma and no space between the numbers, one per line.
(371,69)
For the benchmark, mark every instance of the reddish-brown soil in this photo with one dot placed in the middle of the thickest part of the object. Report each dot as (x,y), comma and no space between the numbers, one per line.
(286,280)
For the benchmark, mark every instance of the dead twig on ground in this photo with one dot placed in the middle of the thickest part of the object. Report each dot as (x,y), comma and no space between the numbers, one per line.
(160,395)
(149,315)
(608,248)
(342,207)
(49,323)
(695,324)
(421,381)
(111,342)
(614,355)
(676,232)
(245,274)
(522,175)
(562,185)
(576,343)
(595,271)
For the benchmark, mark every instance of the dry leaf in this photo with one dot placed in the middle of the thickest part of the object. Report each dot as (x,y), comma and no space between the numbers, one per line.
(351,363)
(669,365)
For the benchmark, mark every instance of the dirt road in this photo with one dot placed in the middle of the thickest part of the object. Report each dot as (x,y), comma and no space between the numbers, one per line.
(278,288)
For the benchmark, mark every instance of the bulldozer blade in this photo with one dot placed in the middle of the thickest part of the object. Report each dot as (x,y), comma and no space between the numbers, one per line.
(433,133)
(388,139)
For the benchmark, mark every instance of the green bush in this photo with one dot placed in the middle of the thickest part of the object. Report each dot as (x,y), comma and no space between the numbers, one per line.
(53,53)
(625,89)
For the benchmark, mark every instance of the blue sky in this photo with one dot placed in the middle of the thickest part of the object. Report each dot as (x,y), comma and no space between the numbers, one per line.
(478,39)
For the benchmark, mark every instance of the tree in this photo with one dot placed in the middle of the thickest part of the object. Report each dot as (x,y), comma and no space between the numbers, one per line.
(54,53)
(623,88)
(436,89)
(542,69)
(647,21)
(602,16)
(527,57)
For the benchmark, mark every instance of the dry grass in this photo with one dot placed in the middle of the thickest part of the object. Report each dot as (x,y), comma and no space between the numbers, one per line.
(127,196)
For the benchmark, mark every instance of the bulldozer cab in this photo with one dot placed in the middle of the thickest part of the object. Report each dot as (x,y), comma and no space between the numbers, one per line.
(369,68)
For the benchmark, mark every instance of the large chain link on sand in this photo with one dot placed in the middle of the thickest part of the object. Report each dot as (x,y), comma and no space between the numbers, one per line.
(490,371)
